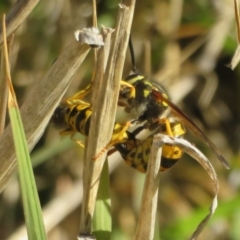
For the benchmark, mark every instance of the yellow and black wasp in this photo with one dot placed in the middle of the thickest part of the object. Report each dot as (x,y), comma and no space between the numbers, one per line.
(144,102)
(75,115)
(151,101)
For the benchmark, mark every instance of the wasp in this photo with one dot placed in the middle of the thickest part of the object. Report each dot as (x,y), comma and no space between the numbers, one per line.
(75,115)
(136,152)
(143,101)
(150,103)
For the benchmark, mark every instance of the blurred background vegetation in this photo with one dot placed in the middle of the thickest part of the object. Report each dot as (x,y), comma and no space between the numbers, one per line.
(188,45)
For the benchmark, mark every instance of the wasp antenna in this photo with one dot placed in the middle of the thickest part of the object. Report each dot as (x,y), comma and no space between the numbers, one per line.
(134,68)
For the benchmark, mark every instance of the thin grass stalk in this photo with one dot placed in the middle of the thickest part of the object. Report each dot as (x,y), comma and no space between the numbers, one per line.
(95,24)
(237,20)
(236,56)
(3,98)
(93,168)
(216,38)
(40,104)
(3,89)
(17,15)
(104,108)
(148,209)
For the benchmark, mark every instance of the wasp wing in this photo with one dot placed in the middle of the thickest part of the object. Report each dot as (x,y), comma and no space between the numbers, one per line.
(190,124)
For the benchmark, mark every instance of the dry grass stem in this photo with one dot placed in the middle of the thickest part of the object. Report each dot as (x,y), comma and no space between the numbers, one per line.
(93,168)
(6,68)
(147,217)
(206,164)
(237,20)
(235,59)
(236,56)
(40,104)
(104,108)
(172,62)
(209,90)
(95,24)
(186,85)
(176,7)
(3,87)
(3,97)
(216,38)
(86,238)
(186,53)
(18,13)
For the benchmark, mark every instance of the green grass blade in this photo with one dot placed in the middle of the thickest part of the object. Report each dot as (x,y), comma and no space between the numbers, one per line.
(31,204)
(102,221)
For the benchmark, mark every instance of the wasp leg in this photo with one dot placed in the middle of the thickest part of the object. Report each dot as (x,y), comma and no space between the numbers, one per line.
(75,102)
(119,136)
(81,94)
(76,99)
(168,126)
(71,132)
(132,88)
(173,131)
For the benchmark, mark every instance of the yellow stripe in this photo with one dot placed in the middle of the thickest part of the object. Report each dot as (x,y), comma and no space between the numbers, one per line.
(135,79)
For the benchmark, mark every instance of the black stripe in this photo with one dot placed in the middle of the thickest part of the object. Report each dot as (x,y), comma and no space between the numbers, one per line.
(80,117)
(168,162)
(87,125)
